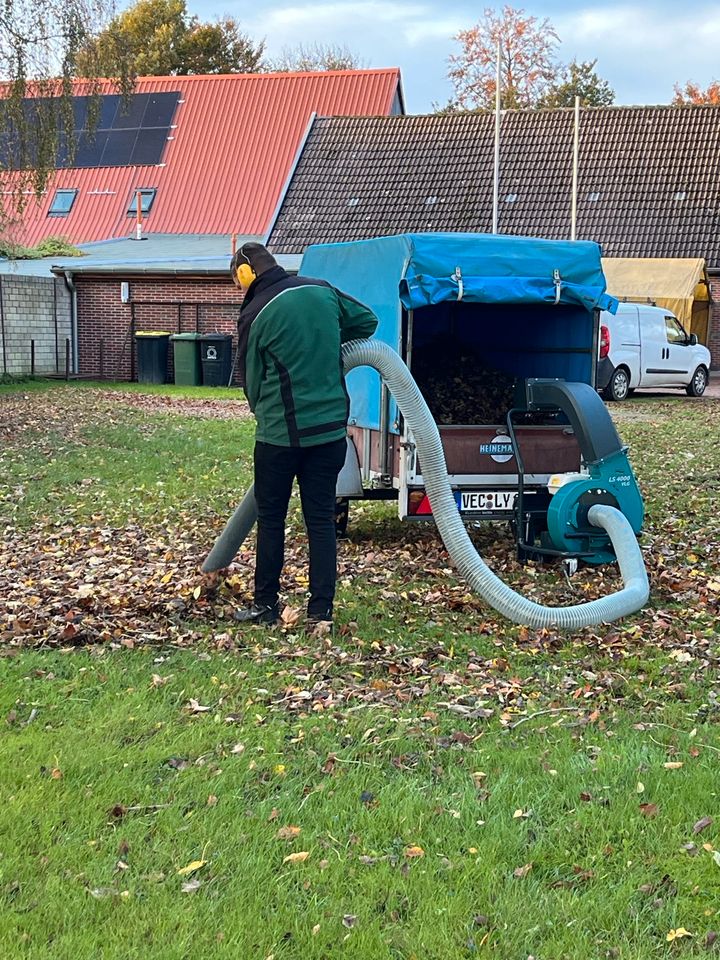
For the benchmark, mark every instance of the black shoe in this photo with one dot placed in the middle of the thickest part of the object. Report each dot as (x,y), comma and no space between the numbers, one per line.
(257,613)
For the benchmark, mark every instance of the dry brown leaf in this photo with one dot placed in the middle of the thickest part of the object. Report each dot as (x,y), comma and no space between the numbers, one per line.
(297,857)
(702,824)
(288,833)
(414,851)
(196,707)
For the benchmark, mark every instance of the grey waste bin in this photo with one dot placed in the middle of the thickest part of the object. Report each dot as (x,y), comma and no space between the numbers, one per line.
(216,358)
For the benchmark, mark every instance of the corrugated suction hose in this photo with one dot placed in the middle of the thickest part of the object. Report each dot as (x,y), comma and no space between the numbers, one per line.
(481,579)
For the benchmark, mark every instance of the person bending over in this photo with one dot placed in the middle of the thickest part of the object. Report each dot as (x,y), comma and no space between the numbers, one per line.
(290,334)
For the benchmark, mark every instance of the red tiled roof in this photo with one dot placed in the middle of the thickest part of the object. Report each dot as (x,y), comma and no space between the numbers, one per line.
(235,140)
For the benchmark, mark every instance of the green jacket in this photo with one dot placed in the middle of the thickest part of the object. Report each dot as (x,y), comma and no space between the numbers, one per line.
(294,377)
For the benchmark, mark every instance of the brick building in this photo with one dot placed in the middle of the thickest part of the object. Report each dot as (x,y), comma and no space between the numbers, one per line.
(179,150)
(170,283)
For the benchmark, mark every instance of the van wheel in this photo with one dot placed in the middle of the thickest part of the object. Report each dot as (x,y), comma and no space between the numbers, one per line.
(696,387)
(619,386)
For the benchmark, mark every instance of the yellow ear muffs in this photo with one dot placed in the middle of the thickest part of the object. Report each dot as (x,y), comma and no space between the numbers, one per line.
(245,274)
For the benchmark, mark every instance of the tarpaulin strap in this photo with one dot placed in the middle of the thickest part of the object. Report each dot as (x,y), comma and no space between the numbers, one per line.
(457,277)
(557,280)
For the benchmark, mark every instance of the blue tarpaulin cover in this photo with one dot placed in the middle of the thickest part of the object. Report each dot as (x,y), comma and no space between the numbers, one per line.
(502,269)
(415,270)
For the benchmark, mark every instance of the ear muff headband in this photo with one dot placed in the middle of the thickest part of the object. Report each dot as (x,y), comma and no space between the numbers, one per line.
(245,274)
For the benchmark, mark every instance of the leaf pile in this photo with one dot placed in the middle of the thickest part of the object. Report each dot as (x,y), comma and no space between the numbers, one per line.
(406,628)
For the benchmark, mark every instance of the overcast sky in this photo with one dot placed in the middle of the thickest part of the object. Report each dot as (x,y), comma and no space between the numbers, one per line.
(642,49)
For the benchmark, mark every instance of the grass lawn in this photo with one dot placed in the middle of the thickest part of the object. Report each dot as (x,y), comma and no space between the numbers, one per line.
(430,782)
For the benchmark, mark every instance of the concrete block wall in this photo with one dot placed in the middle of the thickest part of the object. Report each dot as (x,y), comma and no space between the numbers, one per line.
(33,308)
(207,305)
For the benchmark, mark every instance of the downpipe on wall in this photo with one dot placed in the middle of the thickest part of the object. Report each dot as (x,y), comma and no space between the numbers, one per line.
(470,565)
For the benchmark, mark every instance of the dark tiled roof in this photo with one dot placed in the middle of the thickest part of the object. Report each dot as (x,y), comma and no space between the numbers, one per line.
(648,182)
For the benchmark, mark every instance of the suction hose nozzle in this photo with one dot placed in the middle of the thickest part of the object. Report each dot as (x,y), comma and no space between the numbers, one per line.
(471,567)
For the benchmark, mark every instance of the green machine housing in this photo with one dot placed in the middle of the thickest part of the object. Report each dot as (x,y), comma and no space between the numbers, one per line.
(609,478)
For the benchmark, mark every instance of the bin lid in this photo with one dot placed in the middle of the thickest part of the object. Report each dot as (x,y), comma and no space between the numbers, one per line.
(151,333)
(186,336)
(215,336)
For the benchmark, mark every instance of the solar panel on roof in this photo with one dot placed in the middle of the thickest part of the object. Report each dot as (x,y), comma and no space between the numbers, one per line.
(108,109)
(148,146)
(119,148)
(159,110)
(130,114)
(89,149)
(131,131)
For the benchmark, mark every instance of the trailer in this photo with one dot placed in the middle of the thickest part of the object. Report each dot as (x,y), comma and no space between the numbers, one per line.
(476,318)
(476,400)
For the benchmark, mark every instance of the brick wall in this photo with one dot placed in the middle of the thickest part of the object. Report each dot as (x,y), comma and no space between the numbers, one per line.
(175,305)
(33,309)
(713,344)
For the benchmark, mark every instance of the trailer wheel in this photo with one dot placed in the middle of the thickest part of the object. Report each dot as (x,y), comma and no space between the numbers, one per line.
(342,515)
(618,387)
(696,387)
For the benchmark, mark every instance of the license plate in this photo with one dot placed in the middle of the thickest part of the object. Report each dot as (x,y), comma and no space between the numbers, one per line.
(485,501)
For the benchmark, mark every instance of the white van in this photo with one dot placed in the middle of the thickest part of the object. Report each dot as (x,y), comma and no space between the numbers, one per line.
(646,346)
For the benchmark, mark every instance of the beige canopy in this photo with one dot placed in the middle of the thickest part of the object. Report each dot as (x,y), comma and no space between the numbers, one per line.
(680,285)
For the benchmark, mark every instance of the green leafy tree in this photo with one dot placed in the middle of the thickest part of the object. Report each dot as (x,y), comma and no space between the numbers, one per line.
(307,58)
(528,62)
(219,47)
(579,80)
(159,38)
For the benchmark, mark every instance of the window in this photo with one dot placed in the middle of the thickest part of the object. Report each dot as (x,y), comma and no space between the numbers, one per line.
(674,331)
(147,196)
(62,203)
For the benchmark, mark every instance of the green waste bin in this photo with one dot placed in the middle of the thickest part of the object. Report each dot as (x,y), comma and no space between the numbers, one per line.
(186,357)
(216,358)
(152,355)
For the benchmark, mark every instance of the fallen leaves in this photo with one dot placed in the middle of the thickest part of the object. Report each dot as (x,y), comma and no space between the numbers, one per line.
(521,872)
(678,934)
(288,833)
(413,852)
(299,857)
(649,810)
(702,824)
(194,707)
(192,868)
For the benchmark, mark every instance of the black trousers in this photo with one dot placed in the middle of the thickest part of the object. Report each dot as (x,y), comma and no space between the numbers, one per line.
(316,469)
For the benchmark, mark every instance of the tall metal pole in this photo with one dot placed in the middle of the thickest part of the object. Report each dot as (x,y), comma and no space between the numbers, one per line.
(496,165)
(576,152)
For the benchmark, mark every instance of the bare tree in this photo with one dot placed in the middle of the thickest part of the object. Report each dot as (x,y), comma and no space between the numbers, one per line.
(308,58)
